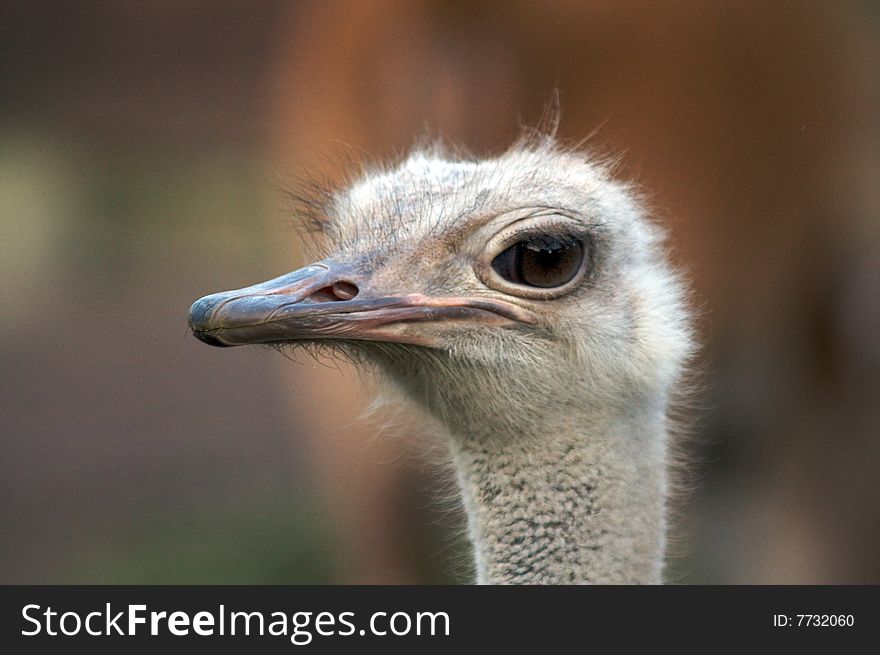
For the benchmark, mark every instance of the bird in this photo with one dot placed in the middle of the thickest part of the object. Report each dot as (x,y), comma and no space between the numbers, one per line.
(525,303)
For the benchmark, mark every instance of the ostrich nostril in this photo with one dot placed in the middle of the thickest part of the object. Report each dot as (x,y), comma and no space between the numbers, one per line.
(335,292)
(344,290)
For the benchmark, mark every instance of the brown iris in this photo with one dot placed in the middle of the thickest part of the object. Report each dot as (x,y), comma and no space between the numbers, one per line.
(541,261)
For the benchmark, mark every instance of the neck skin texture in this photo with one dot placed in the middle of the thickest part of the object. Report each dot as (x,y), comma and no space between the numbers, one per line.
(579,501)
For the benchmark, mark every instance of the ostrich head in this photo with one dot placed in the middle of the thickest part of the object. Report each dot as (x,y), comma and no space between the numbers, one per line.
(524,301)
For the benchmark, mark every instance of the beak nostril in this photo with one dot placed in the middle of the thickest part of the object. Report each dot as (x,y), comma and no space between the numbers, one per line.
(344,290)
(335,292)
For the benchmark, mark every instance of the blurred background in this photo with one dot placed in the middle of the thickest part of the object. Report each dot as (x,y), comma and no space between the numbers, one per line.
(143,147)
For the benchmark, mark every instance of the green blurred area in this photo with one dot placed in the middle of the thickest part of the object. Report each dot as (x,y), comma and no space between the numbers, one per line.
(235,540)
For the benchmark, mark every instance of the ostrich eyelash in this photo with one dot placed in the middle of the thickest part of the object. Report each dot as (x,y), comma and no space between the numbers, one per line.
(566,231)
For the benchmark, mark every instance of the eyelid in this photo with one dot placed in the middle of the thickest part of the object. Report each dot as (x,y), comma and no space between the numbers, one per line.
(560,226)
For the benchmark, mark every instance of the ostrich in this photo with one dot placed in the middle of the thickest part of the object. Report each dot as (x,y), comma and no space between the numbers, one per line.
(524,304)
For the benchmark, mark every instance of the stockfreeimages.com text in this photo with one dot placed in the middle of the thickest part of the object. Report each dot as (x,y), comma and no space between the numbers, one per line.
(301,627)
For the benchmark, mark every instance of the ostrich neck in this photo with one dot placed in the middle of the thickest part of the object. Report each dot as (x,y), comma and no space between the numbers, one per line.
(581,501)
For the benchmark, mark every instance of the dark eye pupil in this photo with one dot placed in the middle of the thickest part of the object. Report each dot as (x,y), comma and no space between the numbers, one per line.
(543,261)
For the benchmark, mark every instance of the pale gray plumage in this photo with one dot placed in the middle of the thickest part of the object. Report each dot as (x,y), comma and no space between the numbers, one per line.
(556,419)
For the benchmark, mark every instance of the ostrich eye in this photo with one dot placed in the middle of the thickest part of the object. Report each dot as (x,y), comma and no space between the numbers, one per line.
(541,261)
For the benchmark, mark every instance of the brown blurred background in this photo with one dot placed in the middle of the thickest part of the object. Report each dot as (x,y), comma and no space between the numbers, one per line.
(141,148)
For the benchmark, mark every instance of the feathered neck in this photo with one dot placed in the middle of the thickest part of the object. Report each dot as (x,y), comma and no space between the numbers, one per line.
(579,501)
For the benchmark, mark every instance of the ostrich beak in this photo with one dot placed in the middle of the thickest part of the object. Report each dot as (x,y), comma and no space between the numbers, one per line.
(329,300)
